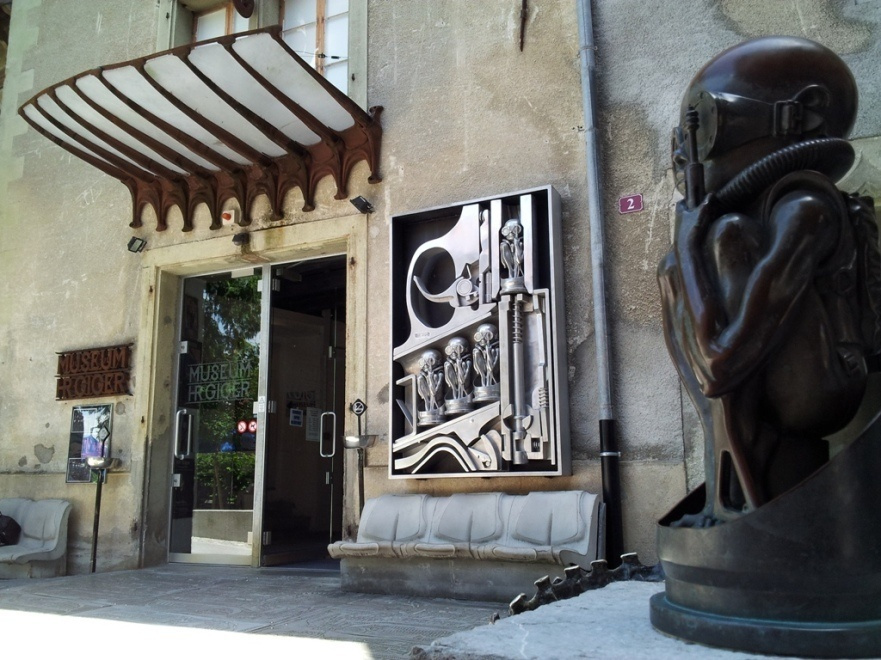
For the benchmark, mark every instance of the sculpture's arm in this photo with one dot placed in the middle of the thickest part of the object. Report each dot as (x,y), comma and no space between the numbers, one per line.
(802,232)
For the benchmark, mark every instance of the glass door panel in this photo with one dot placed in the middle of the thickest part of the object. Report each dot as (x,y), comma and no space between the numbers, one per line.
(303,483)
(215,424)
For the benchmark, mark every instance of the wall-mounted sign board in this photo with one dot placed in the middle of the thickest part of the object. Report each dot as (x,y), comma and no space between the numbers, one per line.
(93,372)
(630,204)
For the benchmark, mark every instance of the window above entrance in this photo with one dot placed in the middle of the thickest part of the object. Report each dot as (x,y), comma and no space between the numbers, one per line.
(318,31)
(229,118)
(218,19)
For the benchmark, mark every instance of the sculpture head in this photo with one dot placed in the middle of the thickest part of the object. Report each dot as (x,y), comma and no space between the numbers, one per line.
(762,95)
(485,334)
(429,359)
(512,229)
(457,347)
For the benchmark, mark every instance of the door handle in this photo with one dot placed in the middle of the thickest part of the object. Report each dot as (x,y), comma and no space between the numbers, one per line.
(177,424)
(332,436)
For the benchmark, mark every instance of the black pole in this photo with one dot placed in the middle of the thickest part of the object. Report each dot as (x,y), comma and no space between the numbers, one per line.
(610,458)
(360,479)
(359,408)
(100,474)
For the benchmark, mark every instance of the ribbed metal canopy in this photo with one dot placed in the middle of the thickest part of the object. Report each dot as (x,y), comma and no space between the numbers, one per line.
(228,118)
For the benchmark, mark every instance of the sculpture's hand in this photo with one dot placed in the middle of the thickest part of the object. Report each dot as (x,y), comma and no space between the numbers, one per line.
(692,224)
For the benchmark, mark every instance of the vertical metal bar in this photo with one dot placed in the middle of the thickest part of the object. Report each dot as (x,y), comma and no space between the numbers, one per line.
(518,430)
(101,474)
(334,340)
(262,395)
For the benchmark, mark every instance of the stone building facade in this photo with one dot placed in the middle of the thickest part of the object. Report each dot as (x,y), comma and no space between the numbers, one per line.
(468,114)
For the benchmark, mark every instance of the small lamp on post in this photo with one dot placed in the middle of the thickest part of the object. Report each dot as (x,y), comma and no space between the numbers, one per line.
(99,466)
(360,442)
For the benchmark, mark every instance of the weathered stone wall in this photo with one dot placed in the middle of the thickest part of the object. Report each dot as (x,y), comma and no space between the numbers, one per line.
(647,54)
(66,279)
(469,115)
(494,119)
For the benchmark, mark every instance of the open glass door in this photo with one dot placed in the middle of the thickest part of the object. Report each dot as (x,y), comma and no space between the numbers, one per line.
(215,425)
(258,422)
(303,479)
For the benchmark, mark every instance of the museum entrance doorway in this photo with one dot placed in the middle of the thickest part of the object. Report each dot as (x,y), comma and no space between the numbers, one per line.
(303,475)
(256,470)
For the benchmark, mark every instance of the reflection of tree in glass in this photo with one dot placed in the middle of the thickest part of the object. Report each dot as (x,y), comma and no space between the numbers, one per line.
(225,479)
(232,320)
(231,334)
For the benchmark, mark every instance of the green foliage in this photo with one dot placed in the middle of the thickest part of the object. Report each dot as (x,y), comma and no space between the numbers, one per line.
(232,320)
(231,333)
(223,476)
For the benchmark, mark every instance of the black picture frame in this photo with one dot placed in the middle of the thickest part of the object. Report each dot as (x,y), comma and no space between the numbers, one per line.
(90,432)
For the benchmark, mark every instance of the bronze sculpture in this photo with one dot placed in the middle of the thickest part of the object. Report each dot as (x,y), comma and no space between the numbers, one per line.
(771,299)
(772,285)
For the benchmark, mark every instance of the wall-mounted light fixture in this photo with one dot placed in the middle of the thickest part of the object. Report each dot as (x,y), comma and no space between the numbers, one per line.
(362,204)
(241,239)
(136,244)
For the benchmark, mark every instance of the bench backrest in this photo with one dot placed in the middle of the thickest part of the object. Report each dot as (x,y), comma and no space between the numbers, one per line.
(41,520)
(552,520)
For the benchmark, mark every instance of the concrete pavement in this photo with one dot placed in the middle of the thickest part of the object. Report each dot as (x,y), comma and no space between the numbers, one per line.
(233,612)
(611,623)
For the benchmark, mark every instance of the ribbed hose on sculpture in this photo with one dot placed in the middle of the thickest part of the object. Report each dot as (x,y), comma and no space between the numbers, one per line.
(808,155)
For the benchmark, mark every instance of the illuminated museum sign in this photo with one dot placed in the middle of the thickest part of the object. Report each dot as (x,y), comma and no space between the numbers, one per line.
(93,372)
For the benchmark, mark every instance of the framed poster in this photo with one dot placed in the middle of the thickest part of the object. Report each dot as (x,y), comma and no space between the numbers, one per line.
(90,428)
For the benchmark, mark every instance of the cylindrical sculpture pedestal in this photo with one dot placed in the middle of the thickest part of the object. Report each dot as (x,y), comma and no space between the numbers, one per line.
(799,576)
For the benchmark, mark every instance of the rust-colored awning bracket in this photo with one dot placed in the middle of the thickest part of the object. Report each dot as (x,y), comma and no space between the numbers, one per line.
(229,118)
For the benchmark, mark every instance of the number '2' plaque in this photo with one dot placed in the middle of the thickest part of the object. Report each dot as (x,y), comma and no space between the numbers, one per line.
(630,203)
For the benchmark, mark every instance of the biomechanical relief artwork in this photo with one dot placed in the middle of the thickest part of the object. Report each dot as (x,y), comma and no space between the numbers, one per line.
(478,352)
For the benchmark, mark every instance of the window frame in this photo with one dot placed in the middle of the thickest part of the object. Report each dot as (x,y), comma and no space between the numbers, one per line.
(356,56)
(175,27)
(229,19)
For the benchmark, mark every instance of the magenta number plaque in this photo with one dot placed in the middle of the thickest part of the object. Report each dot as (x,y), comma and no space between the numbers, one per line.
(630,203)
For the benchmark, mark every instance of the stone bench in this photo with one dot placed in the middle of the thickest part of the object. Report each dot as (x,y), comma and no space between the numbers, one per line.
(41,550)
(483,546)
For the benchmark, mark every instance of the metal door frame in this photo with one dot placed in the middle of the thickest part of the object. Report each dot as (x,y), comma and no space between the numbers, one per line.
(163,268)
(260,441)
(338,415)
(262,404)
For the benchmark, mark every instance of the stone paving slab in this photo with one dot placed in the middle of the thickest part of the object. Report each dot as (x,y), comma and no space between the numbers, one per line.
(246,612)
(271,610)
(611,623)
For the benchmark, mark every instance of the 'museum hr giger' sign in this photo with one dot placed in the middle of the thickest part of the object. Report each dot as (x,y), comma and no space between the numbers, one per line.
(93,372)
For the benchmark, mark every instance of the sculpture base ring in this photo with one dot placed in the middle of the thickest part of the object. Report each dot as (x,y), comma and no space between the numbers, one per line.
(860,639)
(799,576)
(483,393)
(429,417)
(454,407)
(512,285)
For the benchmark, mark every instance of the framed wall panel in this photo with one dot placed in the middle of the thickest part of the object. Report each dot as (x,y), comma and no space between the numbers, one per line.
(478,369)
